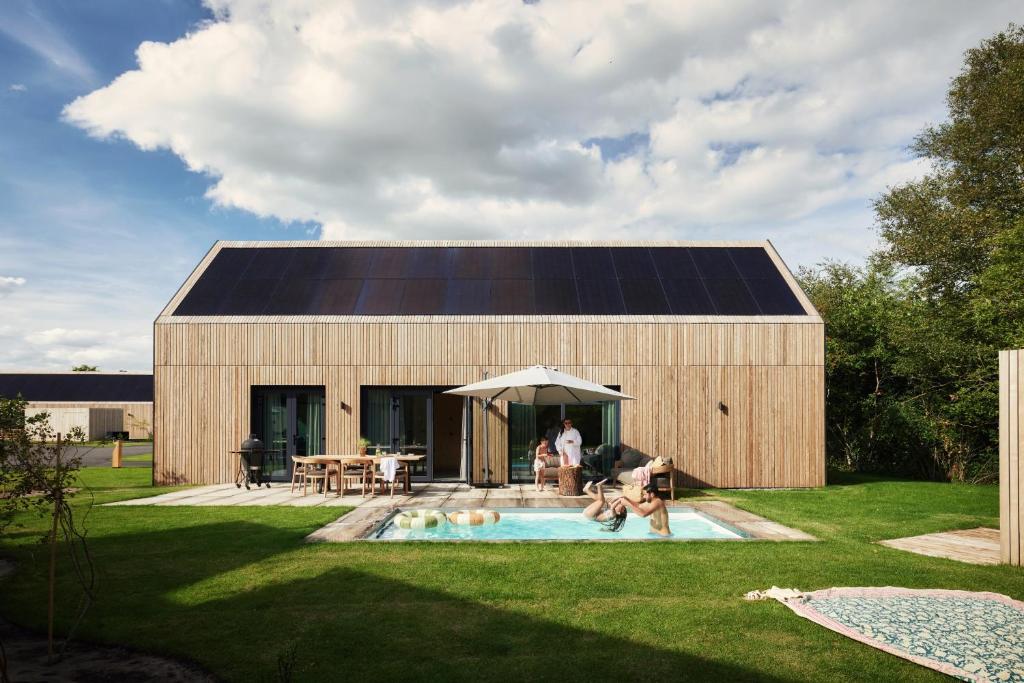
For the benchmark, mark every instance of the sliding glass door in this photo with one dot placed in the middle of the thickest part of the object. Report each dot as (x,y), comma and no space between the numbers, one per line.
(597,423)
(289,421)
(418,421)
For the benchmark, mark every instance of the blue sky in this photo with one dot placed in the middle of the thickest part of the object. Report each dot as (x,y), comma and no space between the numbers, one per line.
(135,133)
(101,232)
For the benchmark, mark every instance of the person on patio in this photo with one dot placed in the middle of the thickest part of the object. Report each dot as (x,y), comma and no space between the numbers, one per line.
(613,516)
(569,445)
(539,463)
(651,506)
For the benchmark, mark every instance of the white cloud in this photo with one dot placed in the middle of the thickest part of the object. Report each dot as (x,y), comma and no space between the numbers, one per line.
(469,119)
(17,87)
(8,284)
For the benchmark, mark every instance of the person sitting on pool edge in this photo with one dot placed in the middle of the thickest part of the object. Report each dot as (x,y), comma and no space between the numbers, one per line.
(651,506)
(611,517)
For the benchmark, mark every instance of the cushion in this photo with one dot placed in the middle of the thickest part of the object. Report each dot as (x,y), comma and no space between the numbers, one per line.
(632,458)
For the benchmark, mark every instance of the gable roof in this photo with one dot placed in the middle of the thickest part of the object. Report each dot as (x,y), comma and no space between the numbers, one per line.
(287,279)
(79,387)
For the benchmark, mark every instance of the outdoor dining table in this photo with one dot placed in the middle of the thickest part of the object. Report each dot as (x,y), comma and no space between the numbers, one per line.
(372,460)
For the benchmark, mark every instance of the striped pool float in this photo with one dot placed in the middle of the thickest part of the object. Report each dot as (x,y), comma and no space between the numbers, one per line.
(419,519)
(474,517)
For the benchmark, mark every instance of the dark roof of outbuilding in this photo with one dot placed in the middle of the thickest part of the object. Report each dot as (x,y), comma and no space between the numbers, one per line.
(79,387)
(477,279)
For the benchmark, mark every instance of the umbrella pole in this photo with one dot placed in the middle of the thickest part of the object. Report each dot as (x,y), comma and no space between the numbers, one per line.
(487,451)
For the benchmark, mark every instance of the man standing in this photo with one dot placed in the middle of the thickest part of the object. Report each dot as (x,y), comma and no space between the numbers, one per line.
(651,506)
(569,444)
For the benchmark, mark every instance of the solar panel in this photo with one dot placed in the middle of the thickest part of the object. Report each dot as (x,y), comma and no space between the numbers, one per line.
(644,297)
(471,264)
(468,297)
(600,297)
(422,297)
(633,263)
(730,296)
(336,297)
(268,263)
(551,263)
(292,297)
(674,263)
(491,281)
(77,386)
(713,262)
(688,297)
(431,263)
(391,263)
(379,297)
(512,263)
(555,297)
(753,262)
(592,263)
(774,297)
(512,297)
(350,263)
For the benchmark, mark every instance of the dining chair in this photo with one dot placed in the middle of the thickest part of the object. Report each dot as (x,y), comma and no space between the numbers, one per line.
(361,472)
(315,473)
(298,471)
(401,475)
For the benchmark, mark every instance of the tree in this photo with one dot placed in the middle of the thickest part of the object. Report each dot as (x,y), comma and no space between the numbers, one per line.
(85,368)
(944,291)
(39,469)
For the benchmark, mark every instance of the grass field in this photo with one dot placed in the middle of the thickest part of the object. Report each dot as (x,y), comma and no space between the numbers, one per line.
(235,588)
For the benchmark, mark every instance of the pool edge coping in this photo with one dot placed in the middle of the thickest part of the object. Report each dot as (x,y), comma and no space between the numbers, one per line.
(358,524)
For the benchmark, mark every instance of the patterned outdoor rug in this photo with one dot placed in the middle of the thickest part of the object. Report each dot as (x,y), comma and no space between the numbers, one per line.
(973,636)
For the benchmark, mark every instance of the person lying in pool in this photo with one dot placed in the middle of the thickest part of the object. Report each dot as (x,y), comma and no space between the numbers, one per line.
(612,517)
(651,506)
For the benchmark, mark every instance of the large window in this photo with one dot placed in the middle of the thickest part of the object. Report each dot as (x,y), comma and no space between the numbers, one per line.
(598,424)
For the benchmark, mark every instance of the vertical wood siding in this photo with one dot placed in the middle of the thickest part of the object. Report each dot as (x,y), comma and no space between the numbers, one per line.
(136,418)
(1011,445)
(770,376)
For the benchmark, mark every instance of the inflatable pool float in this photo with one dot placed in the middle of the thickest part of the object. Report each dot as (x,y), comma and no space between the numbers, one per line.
(474,517)
(419,519)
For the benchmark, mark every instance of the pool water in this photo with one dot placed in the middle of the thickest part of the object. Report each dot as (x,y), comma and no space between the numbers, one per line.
(561,524)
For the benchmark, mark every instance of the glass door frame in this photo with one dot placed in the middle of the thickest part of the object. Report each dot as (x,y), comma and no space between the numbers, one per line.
(291,393)
(616,427)
(395,394)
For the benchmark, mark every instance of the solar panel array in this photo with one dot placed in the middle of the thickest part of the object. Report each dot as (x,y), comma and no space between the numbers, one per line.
(80,387)
(490,281)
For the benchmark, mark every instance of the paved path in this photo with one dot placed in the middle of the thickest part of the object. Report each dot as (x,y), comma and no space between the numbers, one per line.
(974,546)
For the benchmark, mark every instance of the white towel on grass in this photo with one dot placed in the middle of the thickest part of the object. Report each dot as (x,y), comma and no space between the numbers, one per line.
(774,593)
(388,468)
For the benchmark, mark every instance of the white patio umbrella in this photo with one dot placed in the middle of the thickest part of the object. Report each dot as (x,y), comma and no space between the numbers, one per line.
(539,385)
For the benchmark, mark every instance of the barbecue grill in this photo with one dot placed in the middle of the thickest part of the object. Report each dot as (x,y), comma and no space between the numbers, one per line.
(252,460)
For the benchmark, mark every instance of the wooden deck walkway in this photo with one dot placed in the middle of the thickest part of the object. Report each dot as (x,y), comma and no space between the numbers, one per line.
(974,546)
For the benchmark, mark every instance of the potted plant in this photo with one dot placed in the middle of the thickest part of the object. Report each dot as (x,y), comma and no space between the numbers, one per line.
(363,445)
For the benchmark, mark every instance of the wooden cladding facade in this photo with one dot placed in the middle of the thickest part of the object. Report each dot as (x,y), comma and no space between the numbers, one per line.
(136,417)
(768,375)
(1011,460)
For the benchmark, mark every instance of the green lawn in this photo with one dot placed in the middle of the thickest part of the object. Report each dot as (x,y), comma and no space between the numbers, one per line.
(232,588)
(138,457)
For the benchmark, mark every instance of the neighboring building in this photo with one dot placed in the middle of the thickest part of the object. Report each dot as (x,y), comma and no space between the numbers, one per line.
(311,345)
(101,403)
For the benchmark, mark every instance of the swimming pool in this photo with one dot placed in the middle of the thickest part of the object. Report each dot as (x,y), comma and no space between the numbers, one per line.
(561,524)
